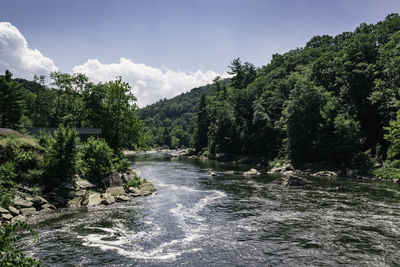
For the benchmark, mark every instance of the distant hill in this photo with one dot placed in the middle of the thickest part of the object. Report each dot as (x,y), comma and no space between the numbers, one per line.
(171,121)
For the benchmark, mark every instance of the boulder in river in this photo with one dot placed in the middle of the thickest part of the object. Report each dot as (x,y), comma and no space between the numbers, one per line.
(252,172)
(108,199)
(116,190)
(135,192)
(94,199)
(147,187)
(123,198)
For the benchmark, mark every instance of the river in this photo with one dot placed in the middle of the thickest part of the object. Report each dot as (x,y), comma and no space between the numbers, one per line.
(228,220)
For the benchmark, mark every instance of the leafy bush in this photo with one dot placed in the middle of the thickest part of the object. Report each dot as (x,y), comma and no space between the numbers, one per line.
(61,157)
(10,255)
(387,172)
(6,196)
(96,158)
(122,165)
(135,182)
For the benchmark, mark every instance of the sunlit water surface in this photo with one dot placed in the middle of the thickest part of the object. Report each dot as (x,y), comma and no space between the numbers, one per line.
(228,220)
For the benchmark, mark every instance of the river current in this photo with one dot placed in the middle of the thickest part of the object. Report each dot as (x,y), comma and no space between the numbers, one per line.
(197,219)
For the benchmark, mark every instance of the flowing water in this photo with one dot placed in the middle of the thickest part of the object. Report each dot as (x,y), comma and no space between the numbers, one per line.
(228,220)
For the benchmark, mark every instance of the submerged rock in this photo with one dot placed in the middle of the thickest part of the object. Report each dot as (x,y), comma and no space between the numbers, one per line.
(291,181)
(252,172)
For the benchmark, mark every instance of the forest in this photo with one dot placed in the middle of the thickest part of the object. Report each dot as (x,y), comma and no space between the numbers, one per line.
(335,100)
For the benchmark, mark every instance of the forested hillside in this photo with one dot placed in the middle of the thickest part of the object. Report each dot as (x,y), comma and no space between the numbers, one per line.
(329,101)
(171,122)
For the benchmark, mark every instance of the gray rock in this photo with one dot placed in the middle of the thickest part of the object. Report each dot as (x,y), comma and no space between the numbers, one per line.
(75,202)
(213,174)
(3,210)
(22,203)
(93,199)
(116,190)
(48,206)
(28,211)
(6,216)
(84,184)
(13,211)
(288,173)
(135,192)
(80,193)
(21,218)
(252,172)
(108,199)
(148,187)
(123,198)
(114,179)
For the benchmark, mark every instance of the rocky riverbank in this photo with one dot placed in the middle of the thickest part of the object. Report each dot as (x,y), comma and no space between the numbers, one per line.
(285,169)
(76,194)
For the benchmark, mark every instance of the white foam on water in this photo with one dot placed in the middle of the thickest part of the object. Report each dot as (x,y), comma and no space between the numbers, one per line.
(126,242)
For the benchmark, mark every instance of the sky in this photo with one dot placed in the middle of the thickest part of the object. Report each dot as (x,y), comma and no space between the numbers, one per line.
(166,47)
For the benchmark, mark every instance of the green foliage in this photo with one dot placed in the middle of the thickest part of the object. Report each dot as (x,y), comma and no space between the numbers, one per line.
(21,159)
(10,255)
(135,182)
(393,137)
(178,114)
(61,157)
(96,158)
(11,102)
(122,165)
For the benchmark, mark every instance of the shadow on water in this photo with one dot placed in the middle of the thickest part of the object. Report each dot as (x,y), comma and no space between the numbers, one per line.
(229,219)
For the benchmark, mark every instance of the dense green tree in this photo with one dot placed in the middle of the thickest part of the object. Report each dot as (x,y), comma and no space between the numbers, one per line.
(11,101)
(202,124)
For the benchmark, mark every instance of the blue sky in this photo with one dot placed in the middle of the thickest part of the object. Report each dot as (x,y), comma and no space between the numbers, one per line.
(179,36)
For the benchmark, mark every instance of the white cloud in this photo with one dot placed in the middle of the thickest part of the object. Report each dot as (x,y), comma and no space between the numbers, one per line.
(16,56)
(148,84)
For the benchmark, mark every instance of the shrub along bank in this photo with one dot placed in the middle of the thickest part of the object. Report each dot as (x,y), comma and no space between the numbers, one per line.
(59,171)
